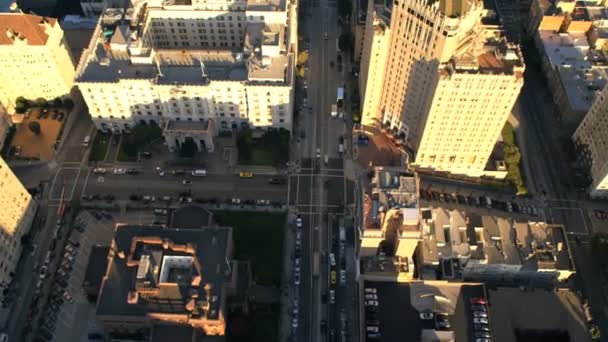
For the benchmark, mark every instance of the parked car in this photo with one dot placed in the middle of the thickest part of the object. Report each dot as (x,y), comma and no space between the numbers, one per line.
(426,315)
(480,320)
(480,314)
(99,170)
(370,290)
(371,303)
(478,300)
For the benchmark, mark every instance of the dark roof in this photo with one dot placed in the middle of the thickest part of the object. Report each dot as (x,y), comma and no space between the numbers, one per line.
(212,247)
(173,333)
(96,269)
(191,217)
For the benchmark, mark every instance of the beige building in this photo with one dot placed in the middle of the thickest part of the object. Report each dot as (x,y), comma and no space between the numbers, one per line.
(17,210)
(34,58)
(228,62)
(414,54)
(376,39)
(472,101)
(593,133)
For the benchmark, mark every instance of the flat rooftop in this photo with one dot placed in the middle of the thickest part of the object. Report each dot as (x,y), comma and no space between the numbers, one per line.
(486,240)
(155,252)
(400,305)
(537,315)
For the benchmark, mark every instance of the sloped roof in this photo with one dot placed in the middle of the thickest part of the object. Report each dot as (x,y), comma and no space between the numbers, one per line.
(26,26)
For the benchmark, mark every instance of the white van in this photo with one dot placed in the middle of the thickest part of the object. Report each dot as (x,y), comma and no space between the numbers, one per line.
(86,141)
(199,173)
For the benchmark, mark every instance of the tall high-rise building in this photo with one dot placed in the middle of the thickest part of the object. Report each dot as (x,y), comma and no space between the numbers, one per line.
(217,65)
(592,136)
(472,102)
(34,58)
(439,52)
(17,210)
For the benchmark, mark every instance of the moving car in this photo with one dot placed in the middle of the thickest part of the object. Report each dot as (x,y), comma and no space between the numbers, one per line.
(246,174)
(120,171)
(276,180)
(99,170)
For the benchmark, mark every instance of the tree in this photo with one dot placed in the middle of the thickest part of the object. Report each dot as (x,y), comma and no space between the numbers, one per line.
(57,102)
(41,102)
(512,155)
(599,249)
(68,104)
(244,143)
(34,126)
(345,42)
(345,7)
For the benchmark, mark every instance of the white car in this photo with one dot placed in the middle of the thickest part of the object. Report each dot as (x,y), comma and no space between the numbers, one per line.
(371,296)
(372,329)
(342,277)
(294,322)
(480,320)
(370,290)
(426,315)
(299,222)
(332,297)
(318,153)
(120,171)
(99,170)
(371,303)
(332,259)
(480,314)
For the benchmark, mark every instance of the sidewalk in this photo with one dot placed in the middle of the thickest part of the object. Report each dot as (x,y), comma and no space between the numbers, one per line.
(287,291)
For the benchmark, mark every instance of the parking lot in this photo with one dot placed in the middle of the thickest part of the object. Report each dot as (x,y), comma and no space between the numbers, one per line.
(68,315)
(26,144)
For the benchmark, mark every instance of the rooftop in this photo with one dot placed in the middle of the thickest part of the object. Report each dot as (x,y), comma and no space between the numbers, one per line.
(167,271)
(495,56)
(480,241)
(535,315)
(26,28)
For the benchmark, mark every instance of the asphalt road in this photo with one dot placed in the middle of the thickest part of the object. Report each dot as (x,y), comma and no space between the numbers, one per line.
(213,186)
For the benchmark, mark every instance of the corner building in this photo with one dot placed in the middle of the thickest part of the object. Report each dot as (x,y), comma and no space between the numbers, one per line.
(35,61)
(433,47)
(217,65)
(17,211)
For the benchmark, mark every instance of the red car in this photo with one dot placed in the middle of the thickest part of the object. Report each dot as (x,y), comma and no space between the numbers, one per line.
(478,300)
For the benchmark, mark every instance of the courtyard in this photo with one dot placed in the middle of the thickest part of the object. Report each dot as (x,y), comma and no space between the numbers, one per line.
(28,145)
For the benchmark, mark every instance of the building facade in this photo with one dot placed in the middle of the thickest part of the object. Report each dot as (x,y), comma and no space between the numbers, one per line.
(472,102)
(17,211)
(413,64)
(228,62)
(33,50)
(592,133)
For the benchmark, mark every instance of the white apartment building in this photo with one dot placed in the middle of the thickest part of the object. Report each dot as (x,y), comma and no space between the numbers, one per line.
(409,80)
(593,133)
(34,58)
(17,210)
(231,63)
(472,102)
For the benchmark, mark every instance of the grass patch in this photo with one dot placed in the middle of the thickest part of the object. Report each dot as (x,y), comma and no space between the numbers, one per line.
(140,136)
(100,147)
(272,148)
(258,237)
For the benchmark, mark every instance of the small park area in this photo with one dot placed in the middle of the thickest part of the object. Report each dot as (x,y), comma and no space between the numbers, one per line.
(271,148)
(258,237)
(133,142)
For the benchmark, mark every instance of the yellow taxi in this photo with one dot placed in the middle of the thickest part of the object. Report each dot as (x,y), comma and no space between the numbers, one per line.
(332,277)
(246,174)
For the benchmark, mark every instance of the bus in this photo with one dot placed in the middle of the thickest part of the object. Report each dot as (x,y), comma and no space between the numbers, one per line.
(315,264)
